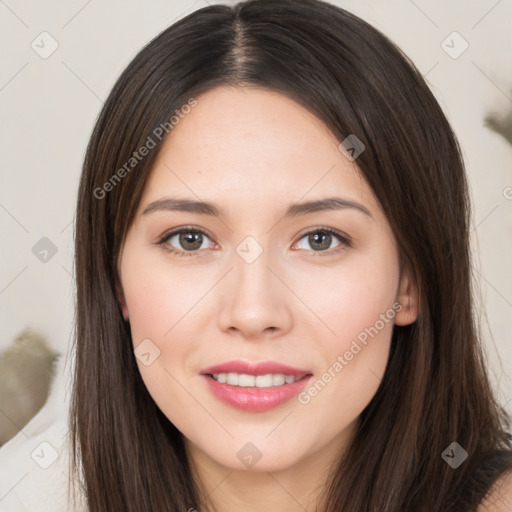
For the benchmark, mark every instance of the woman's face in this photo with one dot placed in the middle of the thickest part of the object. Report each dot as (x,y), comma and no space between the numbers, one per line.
(260,277)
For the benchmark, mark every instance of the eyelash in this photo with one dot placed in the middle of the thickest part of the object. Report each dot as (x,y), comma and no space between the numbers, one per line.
(345,240)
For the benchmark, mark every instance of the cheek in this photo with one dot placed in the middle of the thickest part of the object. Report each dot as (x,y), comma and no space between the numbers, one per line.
(149,302)
(161,311)
(158,297)
(165,307)
(349,297)
(356,302)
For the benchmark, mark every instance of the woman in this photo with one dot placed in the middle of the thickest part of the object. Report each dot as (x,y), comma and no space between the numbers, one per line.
(273,284)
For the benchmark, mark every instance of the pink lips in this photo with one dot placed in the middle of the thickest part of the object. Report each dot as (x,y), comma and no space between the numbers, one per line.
(255,399)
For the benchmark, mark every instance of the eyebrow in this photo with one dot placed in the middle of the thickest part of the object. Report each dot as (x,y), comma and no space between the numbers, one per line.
(294,210)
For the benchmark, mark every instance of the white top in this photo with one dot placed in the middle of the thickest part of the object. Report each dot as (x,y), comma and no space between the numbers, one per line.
(34,465)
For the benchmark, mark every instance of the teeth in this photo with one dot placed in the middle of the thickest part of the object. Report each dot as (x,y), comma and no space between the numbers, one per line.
(279,380)
(232,379)
(259,381)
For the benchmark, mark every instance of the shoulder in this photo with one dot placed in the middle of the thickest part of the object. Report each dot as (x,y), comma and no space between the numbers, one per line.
(499,498)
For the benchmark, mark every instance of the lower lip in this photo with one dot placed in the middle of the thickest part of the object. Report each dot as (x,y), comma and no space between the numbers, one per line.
(254,399)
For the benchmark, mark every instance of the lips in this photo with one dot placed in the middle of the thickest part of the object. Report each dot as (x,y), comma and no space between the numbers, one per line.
(254,399)
(249,368)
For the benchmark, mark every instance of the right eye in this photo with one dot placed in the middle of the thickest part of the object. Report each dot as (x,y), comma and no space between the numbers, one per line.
(184,241)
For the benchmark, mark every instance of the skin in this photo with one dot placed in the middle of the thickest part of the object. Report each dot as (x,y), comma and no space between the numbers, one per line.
(500,496)
(253,153)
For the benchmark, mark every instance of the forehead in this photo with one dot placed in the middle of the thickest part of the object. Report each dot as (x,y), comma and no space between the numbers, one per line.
(249,146)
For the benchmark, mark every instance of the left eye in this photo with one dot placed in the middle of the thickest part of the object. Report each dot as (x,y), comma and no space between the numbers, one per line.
(321,240)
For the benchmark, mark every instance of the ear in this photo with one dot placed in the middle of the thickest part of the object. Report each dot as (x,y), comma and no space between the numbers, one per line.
(122,300)
(408,298)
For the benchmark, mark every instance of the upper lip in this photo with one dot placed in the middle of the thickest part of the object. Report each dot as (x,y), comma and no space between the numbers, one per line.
(250,368)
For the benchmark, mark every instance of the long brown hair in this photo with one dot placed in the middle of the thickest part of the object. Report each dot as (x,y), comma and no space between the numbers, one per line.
(435,390)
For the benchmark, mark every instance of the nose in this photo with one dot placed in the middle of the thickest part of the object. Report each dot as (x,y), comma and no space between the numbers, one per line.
(255,303)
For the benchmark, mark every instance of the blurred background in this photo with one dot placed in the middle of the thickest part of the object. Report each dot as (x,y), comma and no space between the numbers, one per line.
(59,62)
